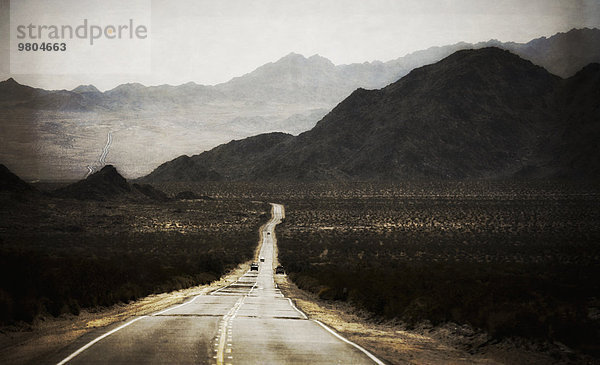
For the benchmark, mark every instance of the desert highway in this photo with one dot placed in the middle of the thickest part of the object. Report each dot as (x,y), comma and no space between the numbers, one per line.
(247,322)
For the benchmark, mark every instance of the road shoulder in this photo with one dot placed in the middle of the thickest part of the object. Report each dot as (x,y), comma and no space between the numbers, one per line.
(393,343)
(33,344)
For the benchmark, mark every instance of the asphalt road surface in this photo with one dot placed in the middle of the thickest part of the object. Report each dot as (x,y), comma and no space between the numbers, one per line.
(247,322)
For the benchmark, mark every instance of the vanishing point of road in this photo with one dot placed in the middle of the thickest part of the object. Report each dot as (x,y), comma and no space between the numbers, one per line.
(246,322)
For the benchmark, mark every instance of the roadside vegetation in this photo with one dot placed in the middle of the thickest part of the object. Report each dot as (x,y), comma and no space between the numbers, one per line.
(512,259)
(60,255)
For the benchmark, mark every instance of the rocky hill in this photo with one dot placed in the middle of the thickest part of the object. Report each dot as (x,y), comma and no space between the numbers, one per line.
(108,184)
(483,113)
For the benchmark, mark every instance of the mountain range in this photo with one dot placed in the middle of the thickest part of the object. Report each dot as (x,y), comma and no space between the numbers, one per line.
(62,134)
(484,113)
(295,78)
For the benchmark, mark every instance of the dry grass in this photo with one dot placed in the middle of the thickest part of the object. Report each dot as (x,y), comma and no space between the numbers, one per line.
(389,341)
(30,344)
(449,343)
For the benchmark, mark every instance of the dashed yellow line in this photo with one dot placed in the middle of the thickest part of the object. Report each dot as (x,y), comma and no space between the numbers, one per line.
(225,333)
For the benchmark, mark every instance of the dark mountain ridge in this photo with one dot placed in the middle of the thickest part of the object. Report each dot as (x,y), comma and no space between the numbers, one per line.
(244,156)
(483,113)
(577,153)
(11,183)
(108,184)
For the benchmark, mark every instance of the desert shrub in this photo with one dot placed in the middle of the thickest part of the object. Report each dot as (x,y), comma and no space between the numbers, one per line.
(514,260)
(54,276)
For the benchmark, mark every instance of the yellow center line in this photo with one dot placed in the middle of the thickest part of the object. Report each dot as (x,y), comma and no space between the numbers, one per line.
(221,342)
(227,319)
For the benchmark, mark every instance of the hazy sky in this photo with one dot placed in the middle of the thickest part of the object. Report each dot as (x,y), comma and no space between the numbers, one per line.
(211,41)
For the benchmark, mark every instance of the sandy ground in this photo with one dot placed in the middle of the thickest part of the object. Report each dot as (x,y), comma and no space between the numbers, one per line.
(29,345)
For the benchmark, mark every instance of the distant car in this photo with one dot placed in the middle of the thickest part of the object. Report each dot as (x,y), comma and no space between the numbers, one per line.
(268,232)
(279,270)
(254,266)
(262,259)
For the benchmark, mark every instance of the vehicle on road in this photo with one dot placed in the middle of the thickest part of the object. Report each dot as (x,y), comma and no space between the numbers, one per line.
(254,266)
(279,270)
(262,259)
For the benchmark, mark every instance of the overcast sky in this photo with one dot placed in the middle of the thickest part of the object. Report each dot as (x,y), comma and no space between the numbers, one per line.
(211,41)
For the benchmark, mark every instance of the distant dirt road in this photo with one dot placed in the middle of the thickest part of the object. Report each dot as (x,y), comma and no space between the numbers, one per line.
(102,159)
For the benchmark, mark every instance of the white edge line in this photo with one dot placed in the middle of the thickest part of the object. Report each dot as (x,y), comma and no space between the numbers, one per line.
(370,355)
(177,306)
(296,308)
(89,344)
